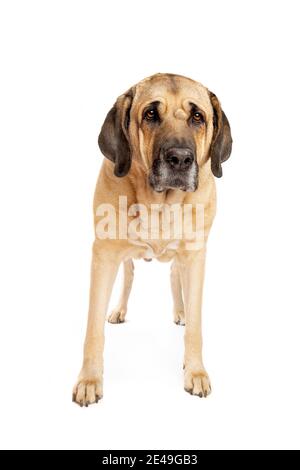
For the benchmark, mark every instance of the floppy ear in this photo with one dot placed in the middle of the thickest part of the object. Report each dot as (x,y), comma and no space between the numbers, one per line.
(114,139)
(221,144)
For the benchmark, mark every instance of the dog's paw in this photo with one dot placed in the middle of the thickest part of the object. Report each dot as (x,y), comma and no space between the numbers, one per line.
(87,391)
(117,315)
(179,317)
(197,382)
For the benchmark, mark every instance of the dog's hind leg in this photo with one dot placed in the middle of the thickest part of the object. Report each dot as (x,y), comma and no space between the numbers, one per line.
(118,314)
(178,305)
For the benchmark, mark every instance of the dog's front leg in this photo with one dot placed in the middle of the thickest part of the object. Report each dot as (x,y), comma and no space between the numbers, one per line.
(88,388)
(191,265)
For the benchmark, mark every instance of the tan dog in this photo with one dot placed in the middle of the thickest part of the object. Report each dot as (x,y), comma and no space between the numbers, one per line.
(164,139)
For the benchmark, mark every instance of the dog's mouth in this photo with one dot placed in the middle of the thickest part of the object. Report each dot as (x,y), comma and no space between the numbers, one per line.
(163,176)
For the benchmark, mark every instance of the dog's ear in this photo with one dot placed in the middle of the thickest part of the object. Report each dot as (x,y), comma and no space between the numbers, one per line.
(114,138)
(221,143)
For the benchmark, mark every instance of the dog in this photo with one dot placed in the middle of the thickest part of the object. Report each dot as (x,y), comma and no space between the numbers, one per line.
(164,141)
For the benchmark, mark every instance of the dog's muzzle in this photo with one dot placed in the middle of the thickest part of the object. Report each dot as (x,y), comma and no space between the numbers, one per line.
(175,168)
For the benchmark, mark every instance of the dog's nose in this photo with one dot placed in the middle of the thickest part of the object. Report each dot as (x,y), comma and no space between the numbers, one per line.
(179,158)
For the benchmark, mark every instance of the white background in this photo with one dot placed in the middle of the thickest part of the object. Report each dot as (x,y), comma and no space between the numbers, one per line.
(63,63)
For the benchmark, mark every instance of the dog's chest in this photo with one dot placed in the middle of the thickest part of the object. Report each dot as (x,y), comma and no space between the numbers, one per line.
(151,249)
(155,232)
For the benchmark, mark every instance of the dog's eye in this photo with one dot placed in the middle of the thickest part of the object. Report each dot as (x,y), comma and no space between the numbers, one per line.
(197,117)
(151,115)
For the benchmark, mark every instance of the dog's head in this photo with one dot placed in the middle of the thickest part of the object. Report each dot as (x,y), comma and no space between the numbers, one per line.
(170,125)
